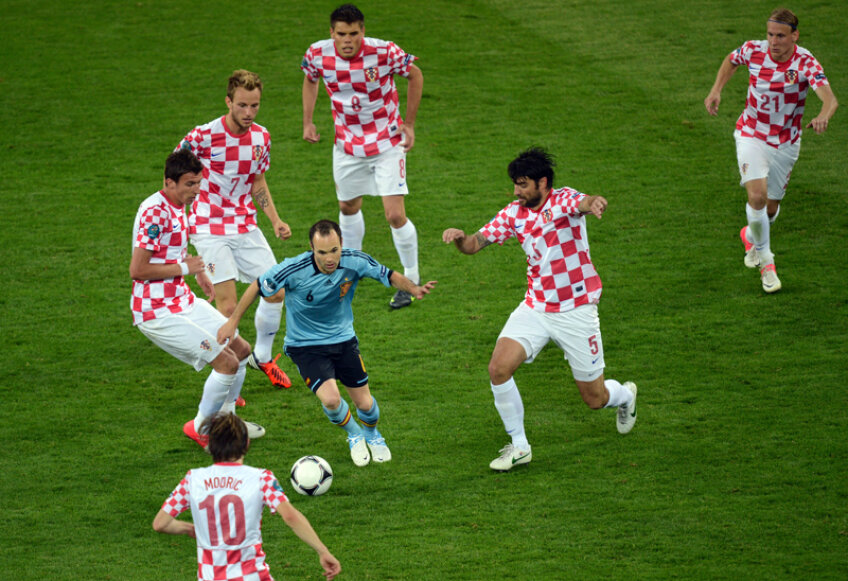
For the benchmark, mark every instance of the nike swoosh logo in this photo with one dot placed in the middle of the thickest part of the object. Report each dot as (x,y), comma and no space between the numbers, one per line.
(633,415)
(514,460)
(216,154)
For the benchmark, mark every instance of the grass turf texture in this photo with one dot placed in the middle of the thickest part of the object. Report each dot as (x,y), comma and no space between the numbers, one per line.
(737,466)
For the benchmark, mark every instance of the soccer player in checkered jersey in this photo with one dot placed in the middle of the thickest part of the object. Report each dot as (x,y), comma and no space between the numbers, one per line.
(165,309)
(371,138)
(768,133)
(235,153)
(561,303)
(226,502)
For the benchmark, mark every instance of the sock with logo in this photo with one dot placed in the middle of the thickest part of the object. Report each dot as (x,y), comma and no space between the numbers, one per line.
(342,418)
(406,244)
(369,419)
(267,321)
(353,230)
(618,394)
(511,409)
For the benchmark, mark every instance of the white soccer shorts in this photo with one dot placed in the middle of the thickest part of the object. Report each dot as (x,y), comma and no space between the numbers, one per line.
(577,332)
(244,257)
(190,336)
(383,174)
(758,160)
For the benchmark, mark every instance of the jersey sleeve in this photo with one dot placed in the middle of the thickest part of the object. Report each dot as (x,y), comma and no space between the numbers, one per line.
(367,266)
(178,501)
(742,55)
(814,72)
(272,492)
(307,65)
(499,229)
(399,61)
(570,202)
(150,226)
(272,280)
(265,160)
(196,141)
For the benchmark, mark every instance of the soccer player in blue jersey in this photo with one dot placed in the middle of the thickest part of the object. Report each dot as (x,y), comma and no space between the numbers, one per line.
(319,287)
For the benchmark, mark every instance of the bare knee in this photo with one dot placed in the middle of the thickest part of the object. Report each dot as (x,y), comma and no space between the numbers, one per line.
(350,207)
(226,362)
(396,219)
(499,371)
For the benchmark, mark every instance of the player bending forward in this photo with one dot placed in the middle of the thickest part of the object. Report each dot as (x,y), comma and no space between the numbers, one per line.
(561,303)
(165,309)
(226,502)
(320,339)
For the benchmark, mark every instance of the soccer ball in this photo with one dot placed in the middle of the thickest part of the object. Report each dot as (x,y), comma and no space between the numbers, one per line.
(311,475)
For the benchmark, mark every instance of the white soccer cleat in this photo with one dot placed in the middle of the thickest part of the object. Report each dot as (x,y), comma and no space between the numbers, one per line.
(254,430)
(510,456)
(359,450)
(752,257)
(379,451)
(626,416)
(771,284)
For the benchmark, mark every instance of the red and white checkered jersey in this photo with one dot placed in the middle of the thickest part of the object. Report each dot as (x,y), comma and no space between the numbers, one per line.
(161,228)
(224,205)
(776,92)
(362,92)
(226,502)
(560,274)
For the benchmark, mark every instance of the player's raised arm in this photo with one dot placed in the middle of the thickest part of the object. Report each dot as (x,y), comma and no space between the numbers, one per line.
(596,205)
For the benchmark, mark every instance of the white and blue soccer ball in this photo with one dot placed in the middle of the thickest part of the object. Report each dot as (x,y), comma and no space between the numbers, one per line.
(311,475)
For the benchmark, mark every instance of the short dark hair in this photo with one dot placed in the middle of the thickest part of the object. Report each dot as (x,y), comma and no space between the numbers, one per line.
(181,162)
(228,439)
(347,13)
(324,227)
(534,163)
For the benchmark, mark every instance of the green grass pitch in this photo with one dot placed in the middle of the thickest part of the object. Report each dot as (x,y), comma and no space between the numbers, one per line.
(737,465)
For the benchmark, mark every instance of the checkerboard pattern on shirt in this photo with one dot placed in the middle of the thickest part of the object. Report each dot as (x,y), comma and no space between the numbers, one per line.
(161,228)
(362,93)
(777,92)
(560,274)
(218,488)
(224,205)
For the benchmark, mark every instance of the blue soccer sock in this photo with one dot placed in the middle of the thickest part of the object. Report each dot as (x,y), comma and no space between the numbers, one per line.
(342,418)
(369,419)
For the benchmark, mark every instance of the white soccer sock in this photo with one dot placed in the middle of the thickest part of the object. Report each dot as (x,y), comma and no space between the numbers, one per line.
(406,244)
(758,224)
(511,409)
(235,391)
(267,321)
(618,394)
(353,230)
(215,392)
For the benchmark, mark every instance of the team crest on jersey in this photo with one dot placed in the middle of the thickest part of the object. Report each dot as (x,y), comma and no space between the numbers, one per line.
(257,152)
(547,216)
(211,267)
(345,286)
(745,168)
(205,345)
(153,231)
(791,76)
(371,74)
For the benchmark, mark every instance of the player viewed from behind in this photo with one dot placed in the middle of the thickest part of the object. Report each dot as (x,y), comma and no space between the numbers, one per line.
(768,133)
(371,139)
(236,153)
(320,339)
(226,502)
(563,290)
(165,309)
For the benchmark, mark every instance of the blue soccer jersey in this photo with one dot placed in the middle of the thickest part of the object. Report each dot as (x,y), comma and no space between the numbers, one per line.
(318,305)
